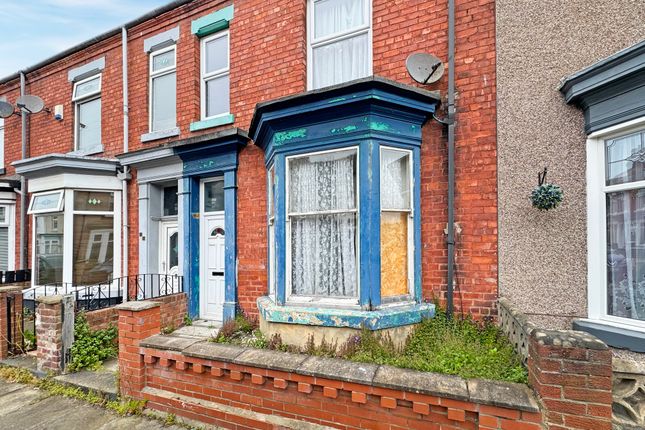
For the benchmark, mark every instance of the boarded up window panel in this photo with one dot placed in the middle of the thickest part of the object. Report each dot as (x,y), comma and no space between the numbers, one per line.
(394,254)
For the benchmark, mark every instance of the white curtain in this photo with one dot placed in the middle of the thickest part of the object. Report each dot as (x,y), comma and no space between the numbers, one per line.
(342,60)
(323,246)
(395,180)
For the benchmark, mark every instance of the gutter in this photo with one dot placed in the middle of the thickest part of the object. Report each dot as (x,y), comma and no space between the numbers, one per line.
(450,240)
(143,18)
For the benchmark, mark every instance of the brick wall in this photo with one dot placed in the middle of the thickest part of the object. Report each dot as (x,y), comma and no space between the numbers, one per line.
(268,60)
(49,332)
(10,320)
(172,310)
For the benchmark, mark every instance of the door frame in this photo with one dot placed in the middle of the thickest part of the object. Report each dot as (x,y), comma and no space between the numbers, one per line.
(203,241)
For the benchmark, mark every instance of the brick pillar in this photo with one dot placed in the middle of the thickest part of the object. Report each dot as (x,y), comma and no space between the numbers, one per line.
(571,373)
(137,321)
(49,333)
(10,317)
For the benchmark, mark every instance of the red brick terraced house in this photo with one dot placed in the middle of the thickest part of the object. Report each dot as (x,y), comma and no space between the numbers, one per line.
(271,157)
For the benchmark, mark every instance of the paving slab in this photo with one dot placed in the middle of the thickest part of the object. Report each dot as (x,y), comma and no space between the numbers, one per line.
(23,407)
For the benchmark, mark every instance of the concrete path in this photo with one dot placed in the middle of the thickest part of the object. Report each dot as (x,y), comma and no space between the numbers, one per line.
(23,407)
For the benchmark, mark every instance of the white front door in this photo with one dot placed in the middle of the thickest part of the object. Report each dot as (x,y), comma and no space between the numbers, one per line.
(169,248)
(212,258)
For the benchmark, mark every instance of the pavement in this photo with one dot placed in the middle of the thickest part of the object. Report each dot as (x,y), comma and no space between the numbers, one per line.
(23,407)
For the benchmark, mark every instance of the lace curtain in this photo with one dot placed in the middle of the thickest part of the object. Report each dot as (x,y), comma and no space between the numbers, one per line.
(395,180)
(322,190)
(343,60)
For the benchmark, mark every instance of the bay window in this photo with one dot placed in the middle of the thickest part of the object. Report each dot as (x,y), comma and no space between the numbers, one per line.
(163,89)
(339,41)
(87,115)
(322,225)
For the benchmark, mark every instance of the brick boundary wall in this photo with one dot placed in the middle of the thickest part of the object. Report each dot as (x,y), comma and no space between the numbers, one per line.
(570,371)
(173,310)
(49,332)
(236,387)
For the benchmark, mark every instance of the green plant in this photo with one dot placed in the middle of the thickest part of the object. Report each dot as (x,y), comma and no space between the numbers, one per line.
(168,329)
(30,340)
(546,196)
(91,347)
(188,321)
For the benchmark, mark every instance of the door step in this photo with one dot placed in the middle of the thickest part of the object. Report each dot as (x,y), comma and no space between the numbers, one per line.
(218,413)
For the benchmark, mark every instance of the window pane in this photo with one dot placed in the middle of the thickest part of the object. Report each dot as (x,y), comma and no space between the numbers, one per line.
(394,254)
(335,16)
(4,248)
(163,61)
(89,87)
(626,254)
(323,182)
(216,52)
(93,249)
(395,179)
(44,202)
(49,249)
(217,96)
(323,255)
(625,159)
(93,201)
(89,125)
(3,214)
(170,201)
(214,196)
(163,102)
(173,250)
(341,61)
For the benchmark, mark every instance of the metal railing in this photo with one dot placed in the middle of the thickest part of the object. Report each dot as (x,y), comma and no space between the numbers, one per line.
(107,294)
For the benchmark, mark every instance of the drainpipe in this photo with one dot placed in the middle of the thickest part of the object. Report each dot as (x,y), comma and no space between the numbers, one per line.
(451,157)
(23,181)
(125,175)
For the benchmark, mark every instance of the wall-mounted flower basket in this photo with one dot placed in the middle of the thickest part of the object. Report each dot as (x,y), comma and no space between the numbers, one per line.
(546,196)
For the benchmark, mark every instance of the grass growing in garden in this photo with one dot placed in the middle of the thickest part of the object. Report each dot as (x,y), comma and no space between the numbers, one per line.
(457,346)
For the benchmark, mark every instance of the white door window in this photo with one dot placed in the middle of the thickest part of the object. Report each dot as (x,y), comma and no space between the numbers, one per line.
(213,251)
(169,249)
(617,227)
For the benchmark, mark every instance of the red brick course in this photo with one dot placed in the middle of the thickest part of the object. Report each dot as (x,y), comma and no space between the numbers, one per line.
(268,60)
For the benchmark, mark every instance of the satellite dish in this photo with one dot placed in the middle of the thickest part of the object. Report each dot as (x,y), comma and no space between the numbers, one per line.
(6,109)
(424,68)
(32,104)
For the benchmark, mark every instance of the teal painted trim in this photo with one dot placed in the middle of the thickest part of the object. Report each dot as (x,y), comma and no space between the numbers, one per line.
(213,122)
(212,22)
(230,243)
(357,319)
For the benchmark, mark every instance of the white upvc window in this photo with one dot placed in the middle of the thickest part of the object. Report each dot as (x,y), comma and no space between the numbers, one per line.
(616,229)
(1,141)
(86,96)
(215,80)
(339,41)
(322,227)
(397,226)
(163,89)
(47,202)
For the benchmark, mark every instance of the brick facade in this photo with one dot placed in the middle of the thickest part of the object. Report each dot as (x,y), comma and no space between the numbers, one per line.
(268,60)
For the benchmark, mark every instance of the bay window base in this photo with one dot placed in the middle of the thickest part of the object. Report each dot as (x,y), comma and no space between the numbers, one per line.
(617,337)
(295,324)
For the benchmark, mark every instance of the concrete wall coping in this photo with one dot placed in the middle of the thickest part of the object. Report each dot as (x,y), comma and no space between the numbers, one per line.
(50,300)
(496,393)
(10,288)
(137,306)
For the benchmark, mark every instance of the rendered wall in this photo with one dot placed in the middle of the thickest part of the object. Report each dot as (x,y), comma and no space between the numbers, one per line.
(542,256)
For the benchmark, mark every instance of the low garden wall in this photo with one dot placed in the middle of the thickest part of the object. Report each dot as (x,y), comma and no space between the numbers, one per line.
(570,371)
(236,387)
(173,311)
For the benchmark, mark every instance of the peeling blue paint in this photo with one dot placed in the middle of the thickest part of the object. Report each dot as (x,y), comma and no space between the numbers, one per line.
(379,126)
(348,318)
(282,137)
(346,129)
(339,99)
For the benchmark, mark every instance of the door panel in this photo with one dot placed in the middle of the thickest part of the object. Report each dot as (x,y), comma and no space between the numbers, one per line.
(212,290)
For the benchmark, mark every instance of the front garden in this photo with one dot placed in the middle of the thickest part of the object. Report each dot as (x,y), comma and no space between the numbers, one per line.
(455,346)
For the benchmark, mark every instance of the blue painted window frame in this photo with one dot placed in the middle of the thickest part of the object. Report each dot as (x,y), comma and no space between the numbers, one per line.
(369,217)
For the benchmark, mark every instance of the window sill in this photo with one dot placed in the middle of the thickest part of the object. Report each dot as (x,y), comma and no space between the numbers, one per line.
(345,318)
(88,152)
(154,135)
(212,122)
(613,335)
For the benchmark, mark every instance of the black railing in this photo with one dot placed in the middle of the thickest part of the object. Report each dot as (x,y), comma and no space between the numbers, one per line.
(107,294)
